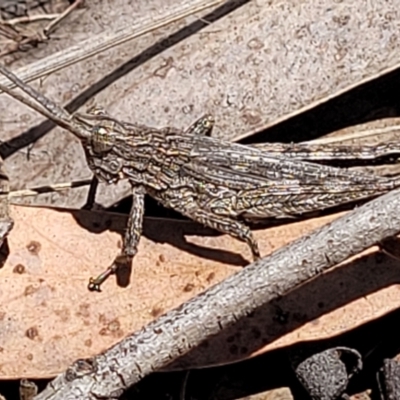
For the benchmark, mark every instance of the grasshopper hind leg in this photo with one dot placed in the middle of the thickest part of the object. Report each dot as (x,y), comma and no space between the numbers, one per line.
(234,228)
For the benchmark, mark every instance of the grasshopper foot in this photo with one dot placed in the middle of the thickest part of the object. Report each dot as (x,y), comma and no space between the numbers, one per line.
(121,261)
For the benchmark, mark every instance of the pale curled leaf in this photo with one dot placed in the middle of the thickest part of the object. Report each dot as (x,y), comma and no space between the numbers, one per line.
(248,83)
(49,319)
(302,29)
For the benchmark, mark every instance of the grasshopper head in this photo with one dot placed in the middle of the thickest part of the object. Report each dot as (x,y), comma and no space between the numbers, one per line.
(102,138)
(104,163)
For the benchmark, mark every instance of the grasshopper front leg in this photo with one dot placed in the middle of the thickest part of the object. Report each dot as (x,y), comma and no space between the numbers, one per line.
(131,240)
(91,197)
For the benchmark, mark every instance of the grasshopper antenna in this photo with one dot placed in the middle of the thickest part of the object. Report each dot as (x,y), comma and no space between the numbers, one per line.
(45,106)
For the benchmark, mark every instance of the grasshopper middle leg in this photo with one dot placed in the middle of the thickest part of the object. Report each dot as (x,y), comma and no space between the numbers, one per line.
(131,240)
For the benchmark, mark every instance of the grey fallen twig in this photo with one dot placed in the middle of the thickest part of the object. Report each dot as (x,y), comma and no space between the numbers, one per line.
(106,376)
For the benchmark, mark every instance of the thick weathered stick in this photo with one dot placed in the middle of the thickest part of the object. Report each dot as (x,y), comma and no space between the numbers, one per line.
(174,334)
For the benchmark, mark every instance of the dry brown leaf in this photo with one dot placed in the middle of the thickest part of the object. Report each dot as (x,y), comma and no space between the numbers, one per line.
(48,318)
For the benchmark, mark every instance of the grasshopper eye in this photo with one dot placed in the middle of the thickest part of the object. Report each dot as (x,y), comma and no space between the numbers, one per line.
(102,141)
